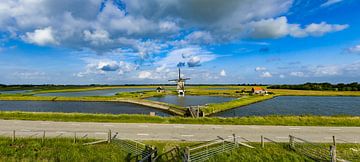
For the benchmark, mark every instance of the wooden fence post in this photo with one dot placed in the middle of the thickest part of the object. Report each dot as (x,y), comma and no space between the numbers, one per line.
(292,142)
(109,136)
(187,154)
(43,138)
(13,136)
(333,153)
(333,150)
(234,138)
(262,142)
(74,137)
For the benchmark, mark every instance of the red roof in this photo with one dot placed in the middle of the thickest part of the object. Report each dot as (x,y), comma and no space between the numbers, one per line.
(257,89)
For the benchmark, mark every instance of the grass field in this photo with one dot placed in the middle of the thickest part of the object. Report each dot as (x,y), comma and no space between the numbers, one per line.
(63,149)
(245,100)
(123,118)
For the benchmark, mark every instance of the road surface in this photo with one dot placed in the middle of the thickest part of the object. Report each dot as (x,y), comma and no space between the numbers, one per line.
(184,132)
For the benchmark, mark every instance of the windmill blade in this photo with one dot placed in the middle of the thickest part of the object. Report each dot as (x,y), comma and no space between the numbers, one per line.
(173,80)
(186,79)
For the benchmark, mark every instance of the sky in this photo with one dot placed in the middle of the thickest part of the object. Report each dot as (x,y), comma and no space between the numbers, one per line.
(212,41)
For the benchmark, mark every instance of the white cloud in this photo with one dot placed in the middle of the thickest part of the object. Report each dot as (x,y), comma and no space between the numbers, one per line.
(108,66)
(200,37)
(323,28)
(354,49)
(144,75)
(102,67)
(279,27)
(266,74)
(329,70)
(260,68)
(98,37)
(330,2)
(193,56)
(281,76)
(41,37)
(223,73)
(79,24)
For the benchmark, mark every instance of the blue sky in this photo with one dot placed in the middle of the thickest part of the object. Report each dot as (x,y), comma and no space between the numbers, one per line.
(136,41)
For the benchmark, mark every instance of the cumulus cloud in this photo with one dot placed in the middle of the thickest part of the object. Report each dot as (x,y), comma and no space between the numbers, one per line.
(323,28)
(223,73)
(97,37)
(193,56)
(108,66)
(200,37)
(80,24)
(330,2)
(102,67)
(266,74)
(279,27)
(41,37)
(144,75)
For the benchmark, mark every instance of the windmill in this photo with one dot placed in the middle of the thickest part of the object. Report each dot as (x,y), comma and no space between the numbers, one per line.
(180,84)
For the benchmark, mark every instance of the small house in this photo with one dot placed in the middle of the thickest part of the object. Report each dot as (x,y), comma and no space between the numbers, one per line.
(160,90)
(258,90)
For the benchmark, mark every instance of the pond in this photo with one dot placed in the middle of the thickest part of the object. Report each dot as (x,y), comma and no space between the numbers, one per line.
(191,100)
(79,107)
(105,92)
(299,105)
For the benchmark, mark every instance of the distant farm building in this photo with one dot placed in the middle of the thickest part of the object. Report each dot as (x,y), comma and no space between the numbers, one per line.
(258,90)
(160,90)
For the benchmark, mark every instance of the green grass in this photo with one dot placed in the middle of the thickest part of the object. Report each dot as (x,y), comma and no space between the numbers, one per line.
(60,149)
(124,118)
(63,149)
(246,100)
(287,92)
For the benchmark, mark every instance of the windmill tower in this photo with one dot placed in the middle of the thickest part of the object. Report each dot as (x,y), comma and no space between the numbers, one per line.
(180,84)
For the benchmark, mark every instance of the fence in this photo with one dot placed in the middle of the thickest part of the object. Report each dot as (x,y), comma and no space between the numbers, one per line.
(42,134)
(174,154)
(136,150)
(315,151)
(210,149)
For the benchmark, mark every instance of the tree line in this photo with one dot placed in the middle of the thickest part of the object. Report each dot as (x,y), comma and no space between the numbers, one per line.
(320,86)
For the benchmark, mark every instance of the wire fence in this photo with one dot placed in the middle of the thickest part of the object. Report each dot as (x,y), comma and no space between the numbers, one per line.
(206,151)
(174,154)
(316,151)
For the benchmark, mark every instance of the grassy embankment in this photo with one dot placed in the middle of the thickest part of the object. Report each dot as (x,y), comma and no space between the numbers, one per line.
(63,149)
(287,92)
(245,100)
(123,118)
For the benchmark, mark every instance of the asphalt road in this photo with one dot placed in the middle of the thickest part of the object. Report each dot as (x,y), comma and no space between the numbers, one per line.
(185,132)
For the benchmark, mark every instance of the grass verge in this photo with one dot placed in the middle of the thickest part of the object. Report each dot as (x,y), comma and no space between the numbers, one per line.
(124,118)
(63,149)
